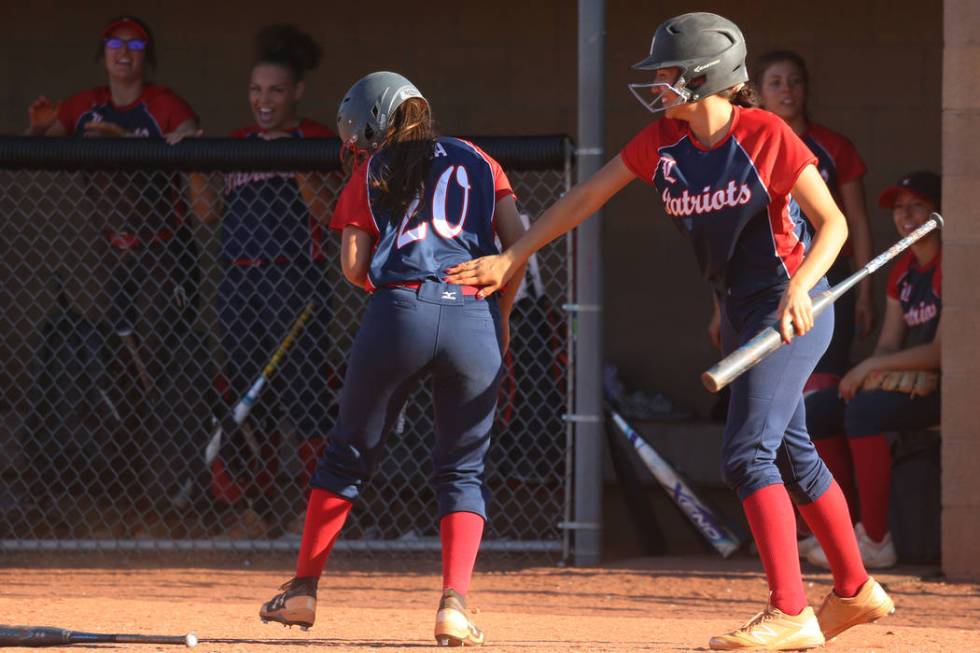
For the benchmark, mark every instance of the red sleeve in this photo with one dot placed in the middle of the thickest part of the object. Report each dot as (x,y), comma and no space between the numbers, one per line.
(790,156)
(73,108)
(849,164)
(353,208)
(168,108)
(641,154)
(897,272)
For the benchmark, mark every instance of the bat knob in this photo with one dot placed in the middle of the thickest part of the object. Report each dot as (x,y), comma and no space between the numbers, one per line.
(191,640)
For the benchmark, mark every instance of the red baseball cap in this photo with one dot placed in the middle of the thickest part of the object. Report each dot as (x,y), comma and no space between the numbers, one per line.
(125,21)
(924,183)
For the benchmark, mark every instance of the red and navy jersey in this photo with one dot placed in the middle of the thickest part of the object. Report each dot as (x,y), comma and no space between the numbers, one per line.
(451,224)
(155,113)
(266,219)
(919,292)
(837,160)
(732,201)
(138,210)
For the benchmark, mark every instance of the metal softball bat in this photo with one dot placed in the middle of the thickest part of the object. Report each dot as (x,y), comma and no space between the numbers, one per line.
(41,636)
(768,340)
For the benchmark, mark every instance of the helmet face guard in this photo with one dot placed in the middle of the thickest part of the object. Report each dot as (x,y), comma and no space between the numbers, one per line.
(651,95)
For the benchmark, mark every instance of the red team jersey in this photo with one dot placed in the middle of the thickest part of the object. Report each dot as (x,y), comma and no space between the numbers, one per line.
(731,201)
(837,160)
(919,292)
(422,244)
(134,215)
(157,112)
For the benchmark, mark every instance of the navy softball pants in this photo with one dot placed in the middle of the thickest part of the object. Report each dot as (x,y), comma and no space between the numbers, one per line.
(406,334)
(766,440)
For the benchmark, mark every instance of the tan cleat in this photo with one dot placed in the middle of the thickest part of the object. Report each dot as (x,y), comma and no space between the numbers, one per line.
(870,604)
(294,606)
(772,630)
(453,627)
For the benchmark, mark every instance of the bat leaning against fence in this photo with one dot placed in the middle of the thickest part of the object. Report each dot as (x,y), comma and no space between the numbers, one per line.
(769,340)
(704,519)
(240,412)
(40,636)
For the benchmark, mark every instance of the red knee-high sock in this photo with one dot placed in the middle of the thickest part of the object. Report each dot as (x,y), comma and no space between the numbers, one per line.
(830,521)
(836,454)
(770,515)
(326,513)
(460,533)
(873,468)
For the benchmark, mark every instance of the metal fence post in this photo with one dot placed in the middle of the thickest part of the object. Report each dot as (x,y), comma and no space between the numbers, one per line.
(588,286)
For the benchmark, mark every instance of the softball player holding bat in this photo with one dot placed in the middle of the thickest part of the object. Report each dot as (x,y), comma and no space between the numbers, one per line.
(272,243)
(415,205)
(734,180)
(849,421)
(783,82)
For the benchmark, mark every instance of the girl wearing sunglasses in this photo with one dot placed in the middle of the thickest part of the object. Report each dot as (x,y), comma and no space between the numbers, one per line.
(149,265)
(127,105)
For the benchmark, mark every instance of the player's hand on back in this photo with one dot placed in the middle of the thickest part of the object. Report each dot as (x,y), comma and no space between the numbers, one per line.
(42,113)
(490,273)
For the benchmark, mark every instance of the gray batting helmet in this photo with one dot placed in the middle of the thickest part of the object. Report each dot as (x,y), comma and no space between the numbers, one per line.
(368,105)
(708,49)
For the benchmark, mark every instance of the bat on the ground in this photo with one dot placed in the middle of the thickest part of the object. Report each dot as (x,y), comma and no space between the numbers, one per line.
(769,340)
(244,406)
(704,519)
(38,636)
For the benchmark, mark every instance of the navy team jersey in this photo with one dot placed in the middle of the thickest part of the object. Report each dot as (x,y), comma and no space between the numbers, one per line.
(266,219)
(453,224)
(919,292)
(837,160)
(731,201)
(145,208)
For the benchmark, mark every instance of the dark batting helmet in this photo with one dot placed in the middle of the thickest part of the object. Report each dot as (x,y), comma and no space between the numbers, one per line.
(707,49)
(364,113)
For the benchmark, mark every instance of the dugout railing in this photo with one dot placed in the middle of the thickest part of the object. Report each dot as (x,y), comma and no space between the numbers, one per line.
(131,325)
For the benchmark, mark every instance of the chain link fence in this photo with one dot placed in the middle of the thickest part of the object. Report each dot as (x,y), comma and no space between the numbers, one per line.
(141,300)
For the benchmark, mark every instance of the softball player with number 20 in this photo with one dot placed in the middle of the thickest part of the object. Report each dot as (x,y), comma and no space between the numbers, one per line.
(415,205)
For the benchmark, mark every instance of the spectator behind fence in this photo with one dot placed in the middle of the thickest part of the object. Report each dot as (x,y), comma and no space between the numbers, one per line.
(272,238)
(897,387)
(151,283)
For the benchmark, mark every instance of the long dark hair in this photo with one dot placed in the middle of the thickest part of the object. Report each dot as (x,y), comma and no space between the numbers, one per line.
(289,47)
(406,154)
(743,96)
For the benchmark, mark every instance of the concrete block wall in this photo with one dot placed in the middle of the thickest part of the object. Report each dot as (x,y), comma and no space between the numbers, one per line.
(961,293)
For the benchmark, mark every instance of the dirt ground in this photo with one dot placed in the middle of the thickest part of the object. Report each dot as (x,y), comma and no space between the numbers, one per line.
(650,604)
